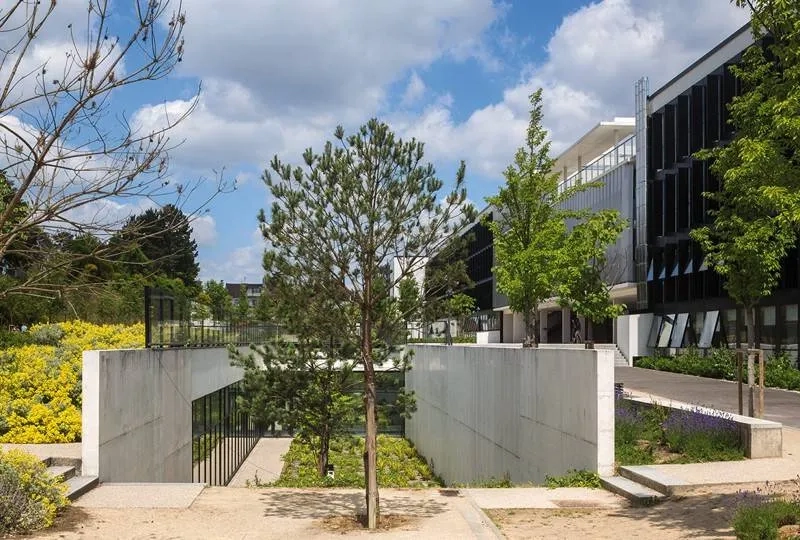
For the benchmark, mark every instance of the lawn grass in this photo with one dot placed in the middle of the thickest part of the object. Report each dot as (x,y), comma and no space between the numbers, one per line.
(399,465)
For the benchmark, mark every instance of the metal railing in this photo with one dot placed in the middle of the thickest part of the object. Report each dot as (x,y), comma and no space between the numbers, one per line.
(222,436)
(169,323)
(622,152)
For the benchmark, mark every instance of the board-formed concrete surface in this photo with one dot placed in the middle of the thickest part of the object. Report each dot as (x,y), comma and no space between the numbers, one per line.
(486,411)
(779,405)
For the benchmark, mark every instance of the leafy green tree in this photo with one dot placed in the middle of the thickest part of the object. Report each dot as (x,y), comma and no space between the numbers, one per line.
(534,248)
(367,199)
(758,202)
(242,308)
(585,281)
(220,302)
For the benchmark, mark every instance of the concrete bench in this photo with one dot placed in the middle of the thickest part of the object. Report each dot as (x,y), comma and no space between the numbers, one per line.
(761,438)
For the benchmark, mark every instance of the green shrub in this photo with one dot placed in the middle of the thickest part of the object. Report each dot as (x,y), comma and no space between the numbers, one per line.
(29,496)
(47,334)
(574,478)
(399,465)
(779,371)
(762,521)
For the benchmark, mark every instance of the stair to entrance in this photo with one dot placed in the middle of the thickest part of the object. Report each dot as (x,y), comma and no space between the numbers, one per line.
(619,358)
(69,471)
(638,494)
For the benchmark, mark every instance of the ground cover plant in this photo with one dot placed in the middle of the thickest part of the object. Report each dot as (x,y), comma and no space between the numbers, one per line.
(40,380)
(768,513)
(648,435)
(573,478)
(399,465)
(779,371)
(30,497)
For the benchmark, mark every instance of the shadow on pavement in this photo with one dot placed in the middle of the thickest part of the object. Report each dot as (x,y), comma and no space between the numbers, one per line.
(322,504)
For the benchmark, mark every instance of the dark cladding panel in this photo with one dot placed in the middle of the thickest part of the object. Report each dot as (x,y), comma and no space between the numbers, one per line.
(669,137)
(713,109)
(697,201)
(669,207)
(656,150)
(683,200)
(682,128)
(697,116)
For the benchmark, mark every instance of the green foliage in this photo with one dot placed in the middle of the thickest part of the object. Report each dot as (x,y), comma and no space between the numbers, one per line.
(490,483)
(721,364)
(408,298)
(538,256)
(399,465)
(219,301)
(204,445)
(645,435)
(762,521)
(574,478)
(30,497)
(436,340)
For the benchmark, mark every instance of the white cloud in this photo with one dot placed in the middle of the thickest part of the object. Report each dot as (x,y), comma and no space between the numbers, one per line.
(204,230)
(414,90)
(279,76)
(594,58)
(242,264)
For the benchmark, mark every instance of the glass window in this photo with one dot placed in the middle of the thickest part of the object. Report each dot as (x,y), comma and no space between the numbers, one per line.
(666,331)
(769,328)
(710,327)
(679,331)
(652,341)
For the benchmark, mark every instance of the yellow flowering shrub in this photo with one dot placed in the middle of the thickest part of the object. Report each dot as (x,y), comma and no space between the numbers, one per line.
(30,497)
(40,385)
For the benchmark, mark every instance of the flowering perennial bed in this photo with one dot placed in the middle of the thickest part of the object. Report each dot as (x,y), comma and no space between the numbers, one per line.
(657,434)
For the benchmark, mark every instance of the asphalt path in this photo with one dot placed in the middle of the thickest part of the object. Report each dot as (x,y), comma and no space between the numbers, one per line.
(779,405)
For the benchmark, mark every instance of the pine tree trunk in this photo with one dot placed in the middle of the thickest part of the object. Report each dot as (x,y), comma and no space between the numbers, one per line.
(322,457)
(750,320)
(370,403)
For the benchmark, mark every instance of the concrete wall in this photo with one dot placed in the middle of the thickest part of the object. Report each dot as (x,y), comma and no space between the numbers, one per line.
(486,411)
(632,333)
(491,336)
(137,410)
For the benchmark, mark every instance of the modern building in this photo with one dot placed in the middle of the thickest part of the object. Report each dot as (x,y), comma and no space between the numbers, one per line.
(251,290)
(649,174)
(689,300)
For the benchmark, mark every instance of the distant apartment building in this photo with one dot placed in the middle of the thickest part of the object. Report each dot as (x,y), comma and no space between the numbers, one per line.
(252,291)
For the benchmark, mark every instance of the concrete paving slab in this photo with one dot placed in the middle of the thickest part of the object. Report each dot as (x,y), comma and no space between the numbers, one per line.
(66,450)
(265,461)
(135,495)
(491,498)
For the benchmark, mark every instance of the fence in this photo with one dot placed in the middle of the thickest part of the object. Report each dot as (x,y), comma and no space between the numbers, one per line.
(169,323)
(222,436)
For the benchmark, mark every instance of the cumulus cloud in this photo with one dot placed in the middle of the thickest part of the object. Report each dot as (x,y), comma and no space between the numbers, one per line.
(241,264)
(594,58)
(204,230)
(415,89)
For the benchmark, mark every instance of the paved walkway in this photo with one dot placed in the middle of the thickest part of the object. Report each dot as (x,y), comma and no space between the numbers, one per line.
(539,497)
(265,461)
(779,405)
(236,513)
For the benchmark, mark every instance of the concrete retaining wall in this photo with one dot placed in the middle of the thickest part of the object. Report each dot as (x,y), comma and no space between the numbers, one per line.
(487,411)
(137,410)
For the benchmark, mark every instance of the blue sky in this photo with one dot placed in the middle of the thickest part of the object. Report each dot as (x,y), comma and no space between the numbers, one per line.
(278,76)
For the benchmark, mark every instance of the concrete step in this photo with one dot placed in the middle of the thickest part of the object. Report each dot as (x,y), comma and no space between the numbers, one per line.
(638,494)
(78,485)
(64,472)
(619,358)
(654,479)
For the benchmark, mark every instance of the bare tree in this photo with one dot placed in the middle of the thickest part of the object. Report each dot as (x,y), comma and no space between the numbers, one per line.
(71,160)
